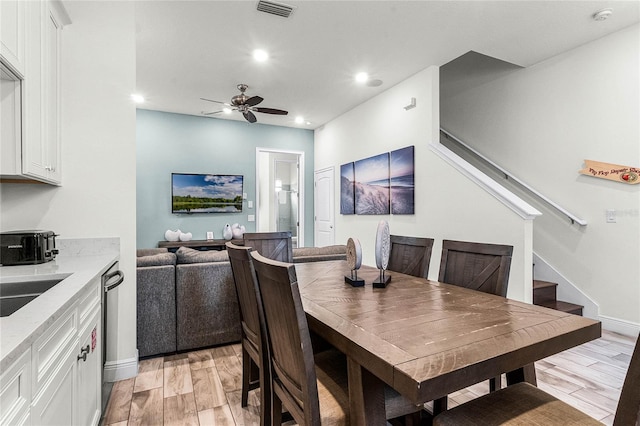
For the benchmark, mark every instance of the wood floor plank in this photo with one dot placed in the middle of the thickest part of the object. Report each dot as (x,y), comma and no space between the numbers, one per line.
(201,359)
(249,415)
(218,416)
(208,389)
(150,375)
(203,387)
(180,410)
(119,405)
(177,377)
(230,372)
(147,408)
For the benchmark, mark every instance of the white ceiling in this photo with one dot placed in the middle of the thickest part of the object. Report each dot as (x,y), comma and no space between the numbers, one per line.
(192,49)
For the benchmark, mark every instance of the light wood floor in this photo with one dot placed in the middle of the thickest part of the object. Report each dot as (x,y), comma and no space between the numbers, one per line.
(203,387)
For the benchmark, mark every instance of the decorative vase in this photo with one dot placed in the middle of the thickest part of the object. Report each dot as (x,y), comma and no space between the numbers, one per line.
(185,236)
(227,234)
(170,235)
(237,231)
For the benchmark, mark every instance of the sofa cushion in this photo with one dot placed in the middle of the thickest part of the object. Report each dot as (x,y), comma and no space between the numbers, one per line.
(188,255)
(156,260)
(151,251)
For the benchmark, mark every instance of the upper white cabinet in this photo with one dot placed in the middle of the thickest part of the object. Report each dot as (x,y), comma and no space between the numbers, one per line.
(40,140)
(12,33)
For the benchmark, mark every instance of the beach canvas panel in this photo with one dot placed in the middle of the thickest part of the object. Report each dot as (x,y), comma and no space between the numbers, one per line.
(372,185)
(347,186)
(401,172)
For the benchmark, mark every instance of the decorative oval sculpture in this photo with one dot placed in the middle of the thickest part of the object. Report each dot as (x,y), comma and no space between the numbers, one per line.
(227,234)
(354,254)
(186,236)
(383,245)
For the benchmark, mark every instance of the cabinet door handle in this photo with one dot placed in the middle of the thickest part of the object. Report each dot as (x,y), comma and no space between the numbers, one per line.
(83,353)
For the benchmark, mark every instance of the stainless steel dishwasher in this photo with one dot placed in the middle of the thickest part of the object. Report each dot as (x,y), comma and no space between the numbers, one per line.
(110,280)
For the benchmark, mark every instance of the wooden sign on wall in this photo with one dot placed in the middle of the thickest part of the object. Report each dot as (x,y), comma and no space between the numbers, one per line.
(609,171)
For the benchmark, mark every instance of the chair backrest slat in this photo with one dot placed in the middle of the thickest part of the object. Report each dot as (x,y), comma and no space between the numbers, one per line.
(272,245)
(288,339)
(628,412)
(410,255)
(479,266)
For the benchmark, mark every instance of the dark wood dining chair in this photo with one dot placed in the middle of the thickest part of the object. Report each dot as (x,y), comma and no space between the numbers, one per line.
(252,357)
(524,404)
(313,390)
(272,245)
(410,255)
(312,387)
(478,266)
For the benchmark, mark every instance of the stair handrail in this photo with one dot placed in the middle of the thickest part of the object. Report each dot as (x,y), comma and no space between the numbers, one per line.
(509,176)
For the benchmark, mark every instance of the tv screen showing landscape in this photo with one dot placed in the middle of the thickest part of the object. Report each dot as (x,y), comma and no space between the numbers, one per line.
(200,193)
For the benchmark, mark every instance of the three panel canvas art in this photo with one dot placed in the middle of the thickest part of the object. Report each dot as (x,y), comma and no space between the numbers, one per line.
(381,184)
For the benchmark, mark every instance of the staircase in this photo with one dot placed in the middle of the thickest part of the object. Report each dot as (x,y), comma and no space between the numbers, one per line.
(544,294)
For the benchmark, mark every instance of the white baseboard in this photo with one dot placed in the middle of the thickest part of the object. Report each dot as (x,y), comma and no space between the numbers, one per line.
(121,369)
(617,325)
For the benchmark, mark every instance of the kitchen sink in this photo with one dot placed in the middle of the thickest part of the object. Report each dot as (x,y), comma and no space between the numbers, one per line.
(14,295)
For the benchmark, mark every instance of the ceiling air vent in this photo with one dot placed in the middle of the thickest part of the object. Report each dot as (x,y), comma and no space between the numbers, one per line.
(273,8)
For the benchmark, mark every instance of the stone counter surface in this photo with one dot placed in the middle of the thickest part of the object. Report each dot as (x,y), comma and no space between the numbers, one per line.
(80,261)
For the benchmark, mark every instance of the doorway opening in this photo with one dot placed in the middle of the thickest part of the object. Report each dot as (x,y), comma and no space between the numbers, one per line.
(280,193)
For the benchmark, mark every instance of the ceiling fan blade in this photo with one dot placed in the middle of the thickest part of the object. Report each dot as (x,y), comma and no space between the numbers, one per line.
(270,111)
(254,100)
(251,118)
(211,113)
(218,102)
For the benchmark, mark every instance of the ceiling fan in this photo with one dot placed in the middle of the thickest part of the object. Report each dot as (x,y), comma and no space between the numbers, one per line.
(245,105)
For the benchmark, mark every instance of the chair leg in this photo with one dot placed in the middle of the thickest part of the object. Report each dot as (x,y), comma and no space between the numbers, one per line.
(495,383)
(440,405)
(246,377)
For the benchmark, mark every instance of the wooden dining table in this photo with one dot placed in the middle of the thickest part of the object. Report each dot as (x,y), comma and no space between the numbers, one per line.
(427,339)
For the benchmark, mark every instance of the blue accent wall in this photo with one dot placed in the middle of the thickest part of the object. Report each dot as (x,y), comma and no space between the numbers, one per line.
(167,143)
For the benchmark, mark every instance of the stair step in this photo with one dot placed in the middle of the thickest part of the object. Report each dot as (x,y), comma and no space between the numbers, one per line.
(544,292)
(567,307)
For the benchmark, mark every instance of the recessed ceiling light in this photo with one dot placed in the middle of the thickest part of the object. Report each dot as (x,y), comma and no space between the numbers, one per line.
(299,119)
(137,98)
(362,77)
(260,55)
(226,110)
(602,15)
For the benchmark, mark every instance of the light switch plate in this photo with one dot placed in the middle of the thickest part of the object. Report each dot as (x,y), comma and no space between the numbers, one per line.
(250,204)
(611,216)
(251,218)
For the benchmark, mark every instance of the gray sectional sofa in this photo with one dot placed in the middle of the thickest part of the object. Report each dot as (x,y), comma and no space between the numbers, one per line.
(187,300)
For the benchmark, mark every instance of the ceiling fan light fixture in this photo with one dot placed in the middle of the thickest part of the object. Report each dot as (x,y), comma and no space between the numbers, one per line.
(227,110)
(260,55)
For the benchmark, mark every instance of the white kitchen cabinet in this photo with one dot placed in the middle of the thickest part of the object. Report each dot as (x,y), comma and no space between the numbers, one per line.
(59,381)
(15,392)
(89,381)
(12,34)
(40,138)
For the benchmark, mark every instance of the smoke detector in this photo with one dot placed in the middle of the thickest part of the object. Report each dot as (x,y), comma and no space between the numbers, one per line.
(602,15)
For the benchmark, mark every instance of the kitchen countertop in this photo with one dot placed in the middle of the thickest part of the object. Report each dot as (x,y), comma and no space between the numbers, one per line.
(78,268)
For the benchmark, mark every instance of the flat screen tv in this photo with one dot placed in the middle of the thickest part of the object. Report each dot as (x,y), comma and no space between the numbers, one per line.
(199,193)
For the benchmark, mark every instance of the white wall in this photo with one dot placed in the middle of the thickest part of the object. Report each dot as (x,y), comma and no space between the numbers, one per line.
(447,204)
(541,123)
(98,195)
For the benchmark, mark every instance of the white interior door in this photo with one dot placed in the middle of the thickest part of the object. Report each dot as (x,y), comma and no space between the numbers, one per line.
(324,231)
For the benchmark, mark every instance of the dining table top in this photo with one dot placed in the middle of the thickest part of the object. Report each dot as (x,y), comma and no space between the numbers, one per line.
(427,339)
